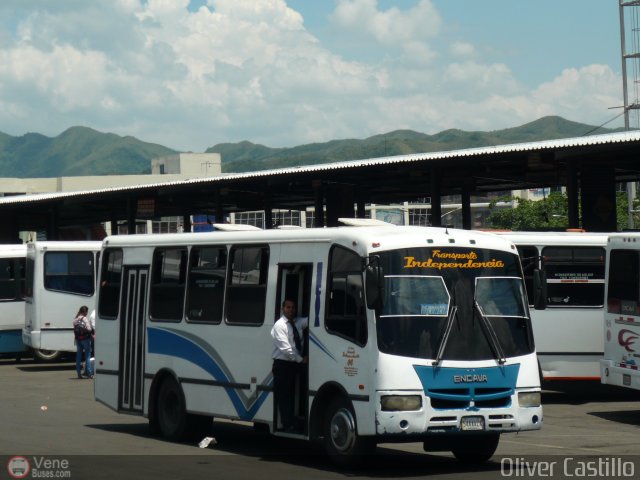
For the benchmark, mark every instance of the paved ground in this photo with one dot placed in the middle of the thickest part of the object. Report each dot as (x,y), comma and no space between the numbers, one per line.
(49,415)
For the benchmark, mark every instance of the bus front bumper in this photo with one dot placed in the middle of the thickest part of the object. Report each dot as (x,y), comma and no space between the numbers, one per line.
(620,375)
(469,419)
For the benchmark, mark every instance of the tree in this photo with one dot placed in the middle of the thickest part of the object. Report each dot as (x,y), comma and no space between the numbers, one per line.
(548,214)
(622,211)
(551,213)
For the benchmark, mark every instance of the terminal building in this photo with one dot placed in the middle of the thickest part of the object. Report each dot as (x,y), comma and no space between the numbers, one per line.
(181,166)
(185,166)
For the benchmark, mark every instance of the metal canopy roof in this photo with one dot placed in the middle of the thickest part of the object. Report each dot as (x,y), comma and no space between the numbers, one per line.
(378,180)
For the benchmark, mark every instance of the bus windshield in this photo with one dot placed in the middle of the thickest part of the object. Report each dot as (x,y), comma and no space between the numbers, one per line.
(500,296)
(415,295)
(423,285)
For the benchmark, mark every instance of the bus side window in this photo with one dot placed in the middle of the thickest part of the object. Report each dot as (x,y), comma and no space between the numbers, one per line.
(71,272)
(110,279)
(168,283)
(7,279)
(624,276)
(346,313)
(247,289)
(575,275)
(205,292)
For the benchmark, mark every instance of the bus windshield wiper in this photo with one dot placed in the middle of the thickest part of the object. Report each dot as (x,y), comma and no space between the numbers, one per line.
(491,335)
(445,335)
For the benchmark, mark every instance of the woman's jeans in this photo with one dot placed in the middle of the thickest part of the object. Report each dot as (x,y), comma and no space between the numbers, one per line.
(83,347)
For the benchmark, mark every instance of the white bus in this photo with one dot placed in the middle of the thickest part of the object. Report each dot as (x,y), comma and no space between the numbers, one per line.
(61,277)
(622,316)
(415,334)
(567,322)
(12,293)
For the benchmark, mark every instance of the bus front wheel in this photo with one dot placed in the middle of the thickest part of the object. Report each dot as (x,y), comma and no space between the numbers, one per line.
(341,439)
(476,448)
(46,355)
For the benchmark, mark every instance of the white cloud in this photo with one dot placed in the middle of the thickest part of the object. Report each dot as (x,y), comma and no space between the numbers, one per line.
(582,95)
(575,89)
(391,27)
(472,79)
(210,68)
(462,49)
(246,69)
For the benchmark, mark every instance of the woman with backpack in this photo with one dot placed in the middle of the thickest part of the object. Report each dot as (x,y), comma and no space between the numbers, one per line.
(82,332)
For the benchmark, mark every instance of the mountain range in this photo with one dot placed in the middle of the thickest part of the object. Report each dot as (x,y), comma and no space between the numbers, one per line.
(84,151)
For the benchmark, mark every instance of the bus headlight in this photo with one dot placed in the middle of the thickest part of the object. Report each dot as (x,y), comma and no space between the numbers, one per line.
(529,399)
(392,403)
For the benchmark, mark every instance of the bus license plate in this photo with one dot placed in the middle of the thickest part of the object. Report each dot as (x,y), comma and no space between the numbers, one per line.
(472,423)
(626,379)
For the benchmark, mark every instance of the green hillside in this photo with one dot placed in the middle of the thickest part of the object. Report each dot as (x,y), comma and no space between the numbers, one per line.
(75,152)
(246,156)
(84,151)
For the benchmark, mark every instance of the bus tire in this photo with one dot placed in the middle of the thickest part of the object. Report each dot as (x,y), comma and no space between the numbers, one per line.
(341,440)
(475,449)
(171,413)
(47,355)
(154,428)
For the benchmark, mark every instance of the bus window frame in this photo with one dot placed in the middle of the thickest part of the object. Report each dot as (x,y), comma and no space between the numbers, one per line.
(104,265)
(182,281)
(361,319)
(15,282)
(571,261)
(189,290)
(70,252)
(263,282)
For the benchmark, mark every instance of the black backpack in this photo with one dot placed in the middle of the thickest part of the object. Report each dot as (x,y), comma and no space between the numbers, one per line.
(80,331)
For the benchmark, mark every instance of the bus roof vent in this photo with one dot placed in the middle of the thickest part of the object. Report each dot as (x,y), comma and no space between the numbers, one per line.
(234,227)
(364,222)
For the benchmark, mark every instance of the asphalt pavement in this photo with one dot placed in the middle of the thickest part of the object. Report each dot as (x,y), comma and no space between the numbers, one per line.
(50,421)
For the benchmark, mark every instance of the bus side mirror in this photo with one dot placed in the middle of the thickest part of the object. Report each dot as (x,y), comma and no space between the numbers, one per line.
(374,283)
(539,289)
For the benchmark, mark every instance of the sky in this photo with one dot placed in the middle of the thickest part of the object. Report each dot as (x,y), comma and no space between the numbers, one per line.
(189,74)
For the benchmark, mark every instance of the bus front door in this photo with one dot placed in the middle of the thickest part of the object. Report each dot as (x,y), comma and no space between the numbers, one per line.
(132,339)
(294,283)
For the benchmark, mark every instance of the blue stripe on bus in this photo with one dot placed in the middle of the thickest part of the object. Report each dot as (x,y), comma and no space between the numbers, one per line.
(313,339)
(477,384)
(175,344)
(11,341)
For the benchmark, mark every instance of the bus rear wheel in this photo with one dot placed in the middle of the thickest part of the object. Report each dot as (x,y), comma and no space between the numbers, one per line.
(342,442)
(172,419)
(47,355)
(476,448)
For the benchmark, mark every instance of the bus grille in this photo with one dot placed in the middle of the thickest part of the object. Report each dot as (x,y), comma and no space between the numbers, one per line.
(461,398)
(443,404)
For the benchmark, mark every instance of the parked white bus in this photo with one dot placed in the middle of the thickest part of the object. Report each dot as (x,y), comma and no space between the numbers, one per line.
(622,316)
(12,293)
(567,322)
(61,277)
(415,334)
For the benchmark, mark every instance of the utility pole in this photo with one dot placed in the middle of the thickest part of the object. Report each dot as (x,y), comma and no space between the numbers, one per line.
(634,58)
